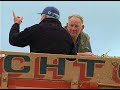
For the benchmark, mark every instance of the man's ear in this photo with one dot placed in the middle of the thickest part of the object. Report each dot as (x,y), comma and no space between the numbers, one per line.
(66,24)
(82,27)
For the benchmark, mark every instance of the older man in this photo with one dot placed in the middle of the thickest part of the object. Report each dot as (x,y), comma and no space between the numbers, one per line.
(81,40)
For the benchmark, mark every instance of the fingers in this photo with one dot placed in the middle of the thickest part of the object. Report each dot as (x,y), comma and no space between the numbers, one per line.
(17,19)
(14,15)
(17,16)
(85,54)
(21,18)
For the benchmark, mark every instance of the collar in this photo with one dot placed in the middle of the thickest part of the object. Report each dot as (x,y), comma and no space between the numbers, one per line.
(51,20)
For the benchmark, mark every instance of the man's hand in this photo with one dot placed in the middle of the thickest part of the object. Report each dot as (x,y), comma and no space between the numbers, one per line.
(85,54)
(17,19)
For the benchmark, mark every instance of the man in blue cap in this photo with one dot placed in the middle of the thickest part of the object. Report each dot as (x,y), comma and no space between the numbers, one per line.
(51,12)
(46,37)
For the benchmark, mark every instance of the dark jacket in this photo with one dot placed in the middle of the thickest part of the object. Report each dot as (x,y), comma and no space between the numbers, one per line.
(46,37)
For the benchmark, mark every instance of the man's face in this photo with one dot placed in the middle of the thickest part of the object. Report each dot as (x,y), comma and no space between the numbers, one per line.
(74,26)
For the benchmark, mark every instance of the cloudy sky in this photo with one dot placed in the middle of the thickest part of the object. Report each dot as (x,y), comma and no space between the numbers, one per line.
(101,19)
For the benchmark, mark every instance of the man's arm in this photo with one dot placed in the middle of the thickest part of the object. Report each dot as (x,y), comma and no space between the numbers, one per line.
(89,46)
(17,38)
(89,49)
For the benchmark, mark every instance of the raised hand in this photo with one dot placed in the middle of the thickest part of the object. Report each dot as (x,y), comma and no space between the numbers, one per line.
(17,19)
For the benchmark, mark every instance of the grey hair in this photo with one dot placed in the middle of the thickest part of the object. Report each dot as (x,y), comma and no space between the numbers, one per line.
(77,16)
(48,16)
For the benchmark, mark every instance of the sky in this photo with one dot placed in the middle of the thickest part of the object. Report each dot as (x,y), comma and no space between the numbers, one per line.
(101,19)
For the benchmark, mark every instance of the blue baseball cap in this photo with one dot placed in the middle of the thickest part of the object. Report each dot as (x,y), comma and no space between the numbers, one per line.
(51,11)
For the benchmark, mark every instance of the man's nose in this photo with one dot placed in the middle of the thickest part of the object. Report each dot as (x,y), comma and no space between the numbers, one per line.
(73,28)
